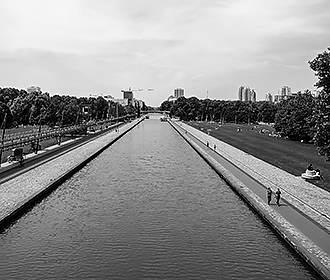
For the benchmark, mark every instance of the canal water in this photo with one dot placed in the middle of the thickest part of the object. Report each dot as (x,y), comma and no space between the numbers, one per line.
(147,208)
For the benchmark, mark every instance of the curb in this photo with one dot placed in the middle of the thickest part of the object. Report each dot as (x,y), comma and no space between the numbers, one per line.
(303,246)
(28,203)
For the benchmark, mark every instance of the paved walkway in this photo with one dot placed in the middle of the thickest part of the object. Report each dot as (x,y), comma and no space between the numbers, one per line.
(20,189)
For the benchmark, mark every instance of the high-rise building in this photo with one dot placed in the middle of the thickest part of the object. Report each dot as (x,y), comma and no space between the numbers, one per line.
(178,92)
(247,94)
(285,91)
(240,93)
(283,94)
(128,95)
(253,95)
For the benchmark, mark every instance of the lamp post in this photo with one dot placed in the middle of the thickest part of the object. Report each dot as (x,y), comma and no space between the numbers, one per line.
(3,126)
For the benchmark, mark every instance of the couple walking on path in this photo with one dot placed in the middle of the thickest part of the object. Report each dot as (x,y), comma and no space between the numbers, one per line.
(277,196)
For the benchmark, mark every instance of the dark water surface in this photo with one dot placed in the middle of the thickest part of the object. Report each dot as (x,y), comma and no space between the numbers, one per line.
(147,208)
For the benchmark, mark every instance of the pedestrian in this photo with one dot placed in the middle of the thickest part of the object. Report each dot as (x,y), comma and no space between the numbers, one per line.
(278,196)
(215,147)
(269,195)
(207,144)
(310,167)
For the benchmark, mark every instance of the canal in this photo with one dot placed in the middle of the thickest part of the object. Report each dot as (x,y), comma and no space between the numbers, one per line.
(147,208)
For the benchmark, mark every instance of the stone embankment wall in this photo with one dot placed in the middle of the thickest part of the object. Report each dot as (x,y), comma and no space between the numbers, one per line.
(305,247)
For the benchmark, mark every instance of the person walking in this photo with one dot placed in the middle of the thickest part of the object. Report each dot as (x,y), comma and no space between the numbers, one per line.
(278,196)
(269,195)
(215,147)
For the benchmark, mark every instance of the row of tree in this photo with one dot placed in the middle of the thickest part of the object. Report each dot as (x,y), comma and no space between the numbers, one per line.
(300,117)
(292,117)
(219,110)
(24,108)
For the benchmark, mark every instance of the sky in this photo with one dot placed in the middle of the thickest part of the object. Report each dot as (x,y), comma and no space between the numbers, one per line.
(207,47)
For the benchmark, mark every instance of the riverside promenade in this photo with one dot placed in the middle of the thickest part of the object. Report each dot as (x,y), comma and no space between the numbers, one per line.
(20,192)
(302,220)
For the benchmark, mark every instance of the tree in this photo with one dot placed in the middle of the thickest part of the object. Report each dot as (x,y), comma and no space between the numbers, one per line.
(70,110)
(4,110)
(294,118)
(101,106)
(21,108)
(267,111)
(166,105)
(321,65)
(40,104)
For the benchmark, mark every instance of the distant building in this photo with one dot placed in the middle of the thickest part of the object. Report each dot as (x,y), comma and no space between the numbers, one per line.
(178,92)
(269,97)
(285,91)
(240,93)
(33,89)
(283,94)
(246,94)
(128,94)
(253,96)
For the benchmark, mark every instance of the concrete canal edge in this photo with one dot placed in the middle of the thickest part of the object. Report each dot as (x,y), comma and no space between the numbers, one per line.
(302,245)
(25,205)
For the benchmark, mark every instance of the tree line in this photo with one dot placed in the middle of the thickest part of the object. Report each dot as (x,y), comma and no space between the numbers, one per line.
(31,108)
(192,108)
(300,117)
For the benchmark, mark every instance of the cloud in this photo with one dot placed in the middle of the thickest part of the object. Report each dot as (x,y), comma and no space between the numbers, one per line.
(84,46)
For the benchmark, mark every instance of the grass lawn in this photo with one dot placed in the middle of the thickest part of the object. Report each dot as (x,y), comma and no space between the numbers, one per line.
(291,156)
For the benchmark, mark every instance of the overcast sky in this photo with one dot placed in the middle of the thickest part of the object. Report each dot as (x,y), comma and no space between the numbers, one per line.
(82,47)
